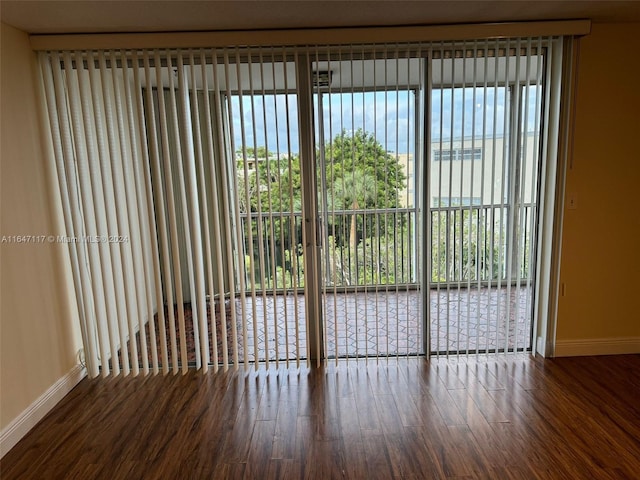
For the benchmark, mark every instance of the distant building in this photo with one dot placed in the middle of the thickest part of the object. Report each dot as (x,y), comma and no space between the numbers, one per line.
(462,172)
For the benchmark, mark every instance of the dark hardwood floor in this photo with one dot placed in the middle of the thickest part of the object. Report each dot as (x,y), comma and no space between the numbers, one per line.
(506,418)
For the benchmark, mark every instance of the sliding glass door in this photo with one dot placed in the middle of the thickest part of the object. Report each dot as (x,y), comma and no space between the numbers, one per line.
(369,106)
(259,98)
(486,119)
(322,158)
(292,204)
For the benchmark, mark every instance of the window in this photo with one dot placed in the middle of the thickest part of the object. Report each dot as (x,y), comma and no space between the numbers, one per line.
(446,155)
(258,195)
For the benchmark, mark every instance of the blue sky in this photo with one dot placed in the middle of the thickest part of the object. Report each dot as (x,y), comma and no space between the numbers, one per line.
(272,120)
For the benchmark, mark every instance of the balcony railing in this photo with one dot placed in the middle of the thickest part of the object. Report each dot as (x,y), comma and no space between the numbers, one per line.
(484,243)
(380,247)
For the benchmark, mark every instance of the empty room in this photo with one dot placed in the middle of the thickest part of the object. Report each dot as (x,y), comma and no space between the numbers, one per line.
(304,239)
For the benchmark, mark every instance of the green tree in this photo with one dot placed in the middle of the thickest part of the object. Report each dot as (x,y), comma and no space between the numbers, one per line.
(266,183)
(465,247)
(361,175)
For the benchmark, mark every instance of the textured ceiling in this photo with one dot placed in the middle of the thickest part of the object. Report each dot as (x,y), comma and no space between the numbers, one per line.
(55,16)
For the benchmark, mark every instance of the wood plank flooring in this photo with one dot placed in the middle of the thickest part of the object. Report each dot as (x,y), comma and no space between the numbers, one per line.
(503,418)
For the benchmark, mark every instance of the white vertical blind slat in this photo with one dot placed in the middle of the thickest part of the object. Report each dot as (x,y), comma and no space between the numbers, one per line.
(469,210)
(396,260)
(280,222)
(471,220)
(385,226)
(270,239)
(259,235)
(194,231)
(222,151)
(84,159)
(209,148)
(174,160)
(102,190)
(483,214)
(459,223)
(149,150)
(409,274)
(292,225)
(119,225)
(336,257)
(450,222)
(521,221)
(307,247)
(159,147)
(270,234)
(427,192)
(375,224)
(248,234)
(317,318)
(365,296)
(513,159)
(538,167)
(67,180)
(129,224)
(439,81)
(146,229)
(333,260)
(206,260)
(493,201)
(178,104)
(341,93)
(217,170)
(240,254)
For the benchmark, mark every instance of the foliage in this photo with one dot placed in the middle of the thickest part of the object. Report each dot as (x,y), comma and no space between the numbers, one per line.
(471,245)
(365,244)
(376,260)
(360,175)
(267,183)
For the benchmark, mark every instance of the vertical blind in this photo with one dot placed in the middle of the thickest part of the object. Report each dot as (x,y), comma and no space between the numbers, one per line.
(370,117)
(167,203)
(487,117)
(220,213)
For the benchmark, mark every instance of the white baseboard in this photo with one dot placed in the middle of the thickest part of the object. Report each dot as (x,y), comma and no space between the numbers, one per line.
(597,346)
(35,412)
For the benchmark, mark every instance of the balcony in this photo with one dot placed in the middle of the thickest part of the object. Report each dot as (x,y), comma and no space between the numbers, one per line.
(372,300)
(469,244)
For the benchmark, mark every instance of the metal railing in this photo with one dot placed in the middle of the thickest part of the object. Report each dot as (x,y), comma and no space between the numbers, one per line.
(484,243)
(380,247)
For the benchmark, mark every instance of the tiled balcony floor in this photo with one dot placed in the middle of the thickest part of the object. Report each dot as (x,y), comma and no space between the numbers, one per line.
(366,324)
(389,323)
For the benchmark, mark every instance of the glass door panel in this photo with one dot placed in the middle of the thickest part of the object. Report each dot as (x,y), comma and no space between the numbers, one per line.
(366,110)
(264,171)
